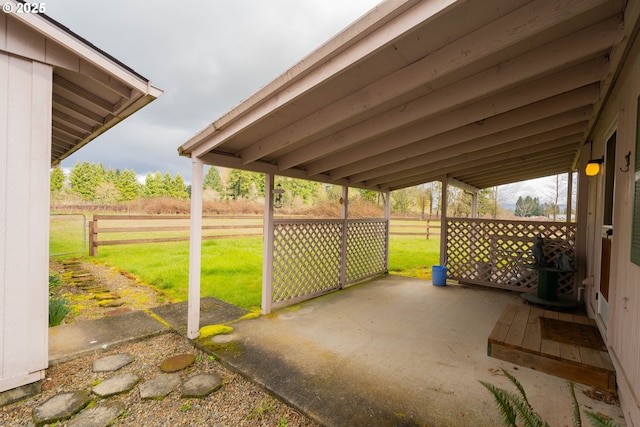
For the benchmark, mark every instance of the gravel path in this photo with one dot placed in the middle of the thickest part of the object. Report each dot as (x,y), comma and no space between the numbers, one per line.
(238,402)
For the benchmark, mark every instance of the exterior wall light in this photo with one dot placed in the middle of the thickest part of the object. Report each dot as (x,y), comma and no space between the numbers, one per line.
(593,167)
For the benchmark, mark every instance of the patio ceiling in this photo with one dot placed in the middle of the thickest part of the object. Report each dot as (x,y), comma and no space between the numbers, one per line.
(87,104)
(91,90)
(485,92)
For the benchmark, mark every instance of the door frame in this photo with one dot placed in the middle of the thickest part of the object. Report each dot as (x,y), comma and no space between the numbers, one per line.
(602,303)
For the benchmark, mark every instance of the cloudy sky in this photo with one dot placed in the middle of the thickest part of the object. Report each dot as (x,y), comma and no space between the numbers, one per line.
(206,55)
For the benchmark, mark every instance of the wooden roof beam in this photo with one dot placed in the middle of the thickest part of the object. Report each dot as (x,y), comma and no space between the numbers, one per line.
(72,122)
(540,117)
(524,146)
(91,116)
(495,175)
(337,144)
(516,27)
(63,128)
(536,64)
(558,157)
(79,95)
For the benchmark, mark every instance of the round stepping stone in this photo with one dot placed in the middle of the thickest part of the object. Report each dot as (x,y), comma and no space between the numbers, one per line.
(101,415)
(116,385)
(159,386)
(177,363)
(201,385)
(112,363)
(60,407)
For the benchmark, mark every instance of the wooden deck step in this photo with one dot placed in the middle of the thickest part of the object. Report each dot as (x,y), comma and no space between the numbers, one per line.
(517,338)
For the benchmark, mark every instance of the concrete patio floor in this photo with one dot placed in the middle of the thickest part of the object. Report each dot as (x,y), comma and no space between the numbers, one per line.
(393,351)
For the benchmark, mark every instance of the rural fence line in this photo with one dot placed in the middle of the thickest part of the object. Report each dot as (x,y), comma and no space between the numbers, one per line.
(135,229)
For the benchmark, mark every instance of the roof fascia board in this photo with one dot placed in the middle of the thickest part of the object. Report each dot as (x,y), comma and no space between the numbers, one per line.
(228,161)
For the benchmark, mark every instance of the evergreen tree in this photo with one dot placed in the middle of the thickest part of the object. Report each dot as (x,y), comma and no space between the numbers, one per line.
(111,175)
(528,207)
(178,189)
(57,179)
(213,181)
(127,185)
(85,178)
(152,185)
(245,184)
(167,185)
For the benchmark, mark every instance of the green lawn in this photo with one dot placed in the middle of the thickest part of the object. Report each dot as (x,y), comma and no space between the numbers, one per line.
(413,256)
(231,268)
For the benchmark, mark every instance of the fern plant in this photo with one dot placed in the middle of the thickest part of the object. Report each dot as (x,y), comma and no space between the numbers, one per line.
(513,406)
(516,406)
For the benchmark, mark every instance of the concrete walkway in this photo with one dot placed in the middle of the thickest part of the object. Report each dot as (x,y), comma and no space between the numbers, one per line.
(394,351)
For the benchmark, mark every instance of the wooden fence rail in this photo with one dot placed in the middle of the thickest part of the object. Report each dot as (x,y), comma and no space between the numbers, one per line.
(137,228)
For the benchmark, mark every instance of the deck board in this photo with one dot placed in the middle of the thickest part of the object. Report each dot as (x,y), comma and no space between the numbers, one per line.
(517,338)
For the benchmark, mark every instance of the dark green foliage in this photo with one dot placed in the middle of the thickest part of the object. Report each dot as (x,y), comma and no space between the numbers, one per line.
(514,407)
(577,419)
(598,421)
(58,310)
(245,184)
(58,305)
(85,178)
(127,185)
(213,180)
(528,207)
(57,179)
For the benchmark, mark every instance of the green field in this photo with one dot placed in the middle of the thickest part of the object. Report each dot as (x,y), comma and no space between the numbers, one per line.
(232,268)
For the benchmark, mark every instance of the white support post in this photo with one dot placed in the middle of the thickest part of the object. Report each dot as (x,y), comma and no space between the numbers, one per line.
(569,195)
(443,222)
(582,224)
(267,252)
(195,249)
(343,245)
(474,204)
(387,217)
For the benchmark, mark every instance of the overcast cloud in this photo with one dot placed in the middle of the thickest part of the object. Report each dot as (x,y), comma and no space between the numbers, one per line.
(206,55)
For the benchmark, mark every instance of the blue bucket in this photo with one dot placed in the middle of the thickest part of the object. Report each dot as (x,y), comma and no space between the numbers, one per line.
(439,275)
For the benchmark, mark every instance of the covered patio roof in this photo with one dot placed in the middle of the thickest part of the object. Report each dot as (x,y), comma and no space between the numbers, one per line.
(485,92)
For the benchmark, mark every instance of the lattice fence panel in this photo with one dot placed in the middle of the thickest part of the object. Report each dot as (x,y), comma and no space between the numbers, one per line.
(306,258)
(492,252)
(366,248)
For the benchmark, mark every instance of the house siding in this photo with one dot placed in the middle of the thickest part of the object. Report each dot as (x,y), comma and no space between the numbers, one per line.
(621,330)
(25,152)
